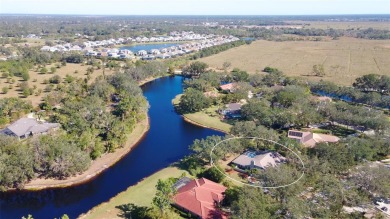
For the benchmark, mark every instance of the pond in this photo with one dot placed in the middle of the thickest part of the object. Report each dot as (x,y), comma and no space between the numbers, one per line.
(166,142)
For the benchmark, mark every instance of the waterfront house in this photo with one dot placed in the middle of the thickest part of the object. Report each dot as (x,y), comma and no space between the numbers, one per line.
(231,110)
(142,53)
(155,51)
(258,160)
(26,127)
(200,197)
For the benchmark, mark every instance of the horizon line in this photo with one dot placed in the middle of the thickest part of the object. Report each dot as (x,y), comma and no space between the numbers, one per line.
(60,14)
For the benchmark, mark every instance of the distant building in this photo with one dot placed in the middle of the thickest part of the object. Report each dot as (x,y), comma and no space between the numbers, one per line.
(200,197)
(142,53)
(228,87)
(25,127)
(311,139)
(231,110)
(258,160)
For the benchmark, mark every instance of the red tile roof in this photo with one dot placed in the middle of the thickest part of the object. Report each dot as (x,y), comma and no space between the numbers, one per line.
(199,197)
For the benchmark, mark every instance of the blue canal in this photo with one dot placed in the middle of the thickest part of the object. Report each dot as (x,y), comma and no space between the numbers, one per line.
(166,142)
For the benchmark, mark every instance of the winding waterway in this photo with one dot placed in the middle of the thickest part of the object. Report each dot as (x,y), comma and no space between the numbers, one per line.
(166,142)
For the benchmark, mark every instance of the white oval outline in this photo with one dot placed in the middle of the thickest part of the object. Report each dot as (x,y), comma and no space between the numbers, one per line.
(247,184)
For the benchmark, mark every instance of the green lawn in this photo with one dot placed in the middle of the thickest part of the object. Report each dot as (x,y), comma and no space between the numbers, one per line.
(140,194)
(208,117)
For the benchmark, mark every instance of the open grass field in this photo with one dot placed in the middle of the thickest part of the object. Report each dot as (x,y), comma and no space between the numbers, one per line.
(343,60)
(346,25)
(62,71)
(206,118)
(140,194)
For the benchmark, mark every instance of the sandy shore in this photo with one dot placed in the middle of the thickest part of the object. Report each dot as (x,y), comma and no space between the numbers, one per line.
(98,166)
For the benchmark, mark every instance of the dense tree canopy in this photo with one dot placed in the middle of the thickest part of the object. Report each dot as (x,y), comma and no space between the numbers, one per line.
(95,119)
(195,69)
(193,101)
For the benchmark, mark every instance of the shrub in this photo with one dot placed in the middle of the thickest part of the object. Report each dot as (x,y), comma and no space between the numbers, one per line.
(69,79)
(53,70)
(5,90)
(25,76)
(56,79)
(26,92)
(43,70)
(48,88)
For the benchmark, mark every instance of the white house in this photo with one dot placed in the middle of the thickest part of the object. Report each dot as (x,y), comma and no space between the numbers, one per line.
(142,53)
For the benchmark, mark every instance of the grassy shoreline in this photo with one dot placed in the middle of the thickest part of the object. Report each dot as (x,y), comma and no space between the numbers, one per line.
(140,194)
(204,120)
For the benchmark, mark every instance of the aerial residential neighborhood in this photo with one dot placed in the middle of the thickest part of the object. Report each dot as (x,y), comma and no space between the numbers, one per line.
(192,43)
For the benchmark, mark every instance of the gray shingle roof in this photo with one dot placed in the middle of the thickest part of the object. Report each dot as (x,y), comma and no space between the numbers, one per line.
(25,126)
(259,159)
(234,106)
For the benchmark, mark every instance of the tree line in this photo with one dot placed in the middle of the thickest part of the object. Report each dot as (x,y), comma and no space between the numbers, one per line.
(217,49)
(371,89)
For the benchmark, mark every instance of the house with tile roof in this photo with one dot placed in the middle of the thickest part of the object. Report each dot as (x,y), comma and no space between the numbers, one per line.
(200,197)
(311,139)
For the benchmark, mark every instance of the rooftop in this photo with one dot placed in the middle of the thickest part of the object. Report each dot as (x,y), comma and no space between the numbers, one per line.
(311,139)
(199,196)
(26,126)
(259,159)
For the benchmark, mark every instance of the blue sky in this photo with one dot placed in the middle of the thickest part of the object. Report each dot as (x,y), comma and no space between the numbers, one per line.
(196,7)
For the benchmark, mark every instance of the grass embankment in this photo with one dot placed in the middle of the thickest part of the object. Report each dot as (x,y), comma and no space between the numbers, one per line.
(208,118)
(140,194)
(344,59)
